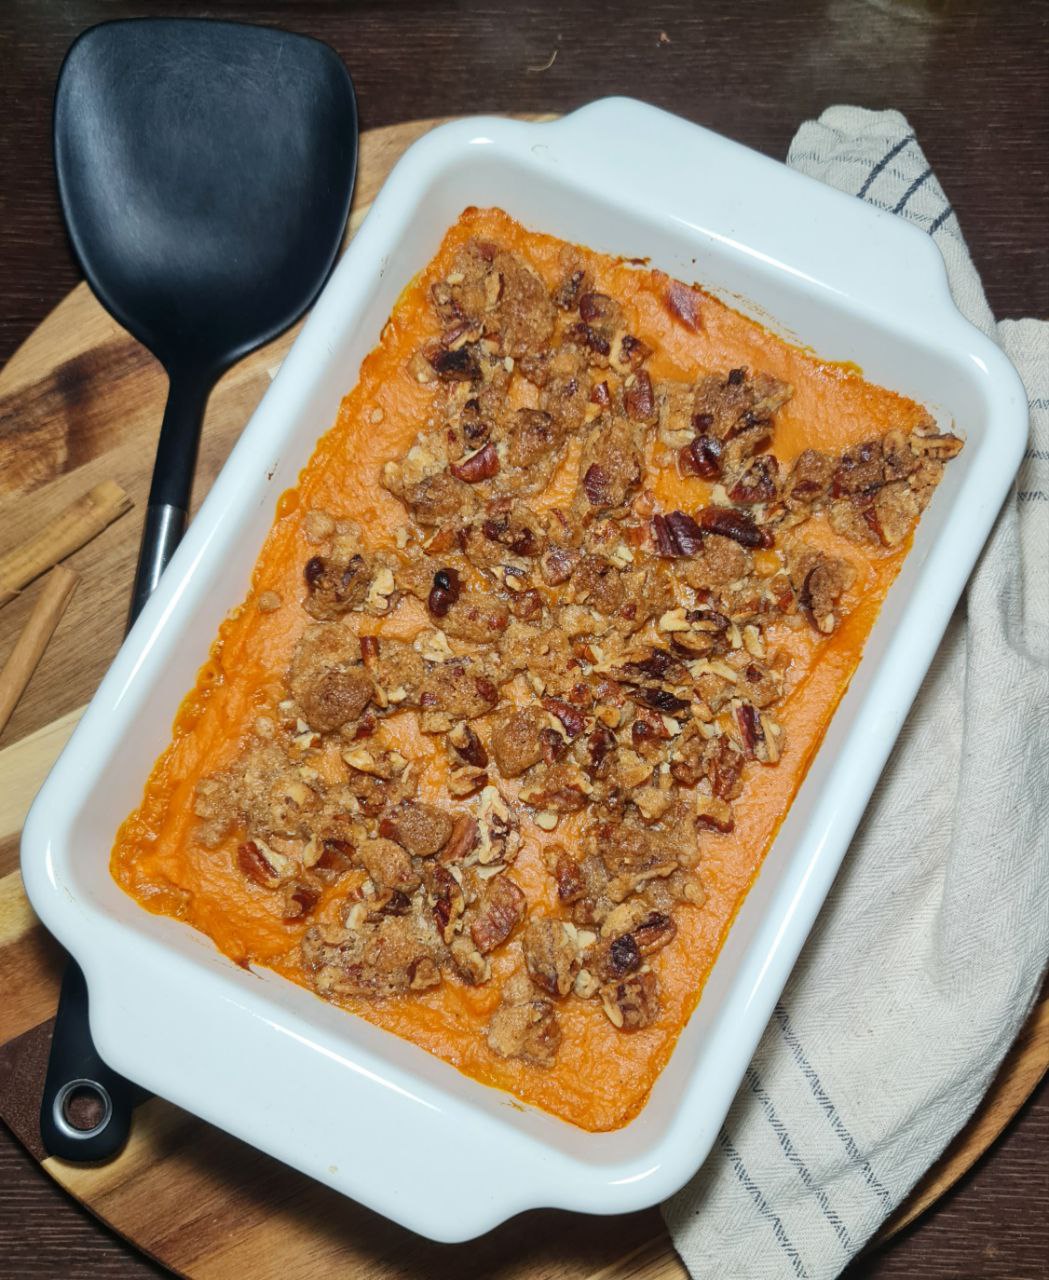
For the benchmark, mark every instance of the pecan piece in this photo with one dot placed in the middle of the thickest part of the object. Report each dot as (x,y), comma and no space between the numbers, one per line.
(597,486)
(683,302)
(447,898)
(714,814)
(656,931)
(702,456)
(550,956)
(553,746)
(736,525)
(262,864)
(571,718)
(632,1004)
(569,876)
(444,593)
(676,535)
(600,744)
(586,336)
(750,730)
(479,466)
(638,399)
(299,900)
(596,306)
(501,910)
(566,295)
(459,365)
(661,700)
(468,746)
(334,586)
(462,840)
(759,483)
(556,565)
(526,605)
(630,353)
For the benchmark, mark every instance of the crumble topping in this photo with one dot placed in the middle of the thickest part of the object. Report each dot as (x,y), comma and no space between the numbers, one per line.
(586,655)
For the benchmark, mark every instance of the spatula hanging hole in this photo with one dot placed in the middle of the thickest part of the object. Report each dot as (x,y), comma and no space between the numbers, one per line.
(82,1108)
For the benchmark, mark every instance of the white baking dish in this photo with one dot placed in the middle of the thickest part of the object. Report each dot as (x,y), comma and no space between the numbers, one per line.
(357,1108)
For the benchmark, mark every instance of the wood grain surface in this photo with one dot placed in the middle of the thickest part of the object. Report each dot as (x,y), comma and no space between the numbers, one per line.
(753,71)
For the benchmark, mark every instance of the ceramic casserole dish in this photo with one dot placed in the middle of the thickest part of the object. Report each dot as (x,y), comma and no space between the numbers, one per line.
(355,1107)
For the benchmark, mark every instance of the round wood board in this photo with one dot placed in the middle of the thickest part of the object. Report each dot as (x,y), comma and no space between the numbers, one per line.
(80,401)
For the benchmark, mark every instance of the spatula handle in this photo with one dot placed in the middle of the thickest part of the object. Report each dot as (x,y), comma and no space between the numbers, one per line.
(161,534)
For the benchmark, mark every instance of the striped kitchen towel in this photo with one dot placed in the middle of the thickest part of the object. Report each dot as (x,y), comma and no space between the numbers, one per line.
(931,948)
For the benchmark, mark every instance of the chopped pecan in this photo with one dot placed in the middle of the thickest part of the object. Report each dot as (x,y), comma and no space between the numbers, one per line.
(597,306)
(511,531)
(684,303)
(566,295)
(550,956)
(262,864)
(463,839)
(465,781)
(724,768)
(423,972)
(656,931)
(629,354)
(458,365)
(638,399)
(661,700)
(444,592)
(759,483)
(571,718)
(587,336)
(600,744)
(500,910)
(300,899)
(554,746)
(473,967)
(570,883)
(735,525)
(447,899)
(676,534)
(556,565)
(597,486)
(527,605)
(468,746)
(633,1003)
(750,730)
(701,457)
(714,814)
(333,857)
(479,466)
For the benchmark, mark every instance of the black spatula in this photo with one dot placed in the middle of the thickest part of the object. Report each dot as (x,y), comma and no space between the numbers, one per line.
(205,171)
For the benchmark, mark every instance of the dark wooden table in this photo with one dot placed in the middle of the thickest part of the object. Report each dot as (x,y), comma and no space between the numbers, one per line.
(972,76)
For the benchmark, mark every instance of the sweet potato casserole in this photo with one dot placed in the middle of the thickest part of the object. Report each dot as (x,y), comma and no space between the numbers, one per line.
(534,661)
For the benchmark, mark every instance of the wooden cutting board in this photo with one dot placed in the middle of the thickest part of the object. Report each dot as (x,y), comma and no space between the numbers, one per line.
(80,402)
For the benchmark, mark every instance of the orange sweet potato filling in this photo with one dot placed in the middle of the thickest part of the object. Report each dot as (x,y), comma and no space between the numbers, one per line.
(602,1077)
